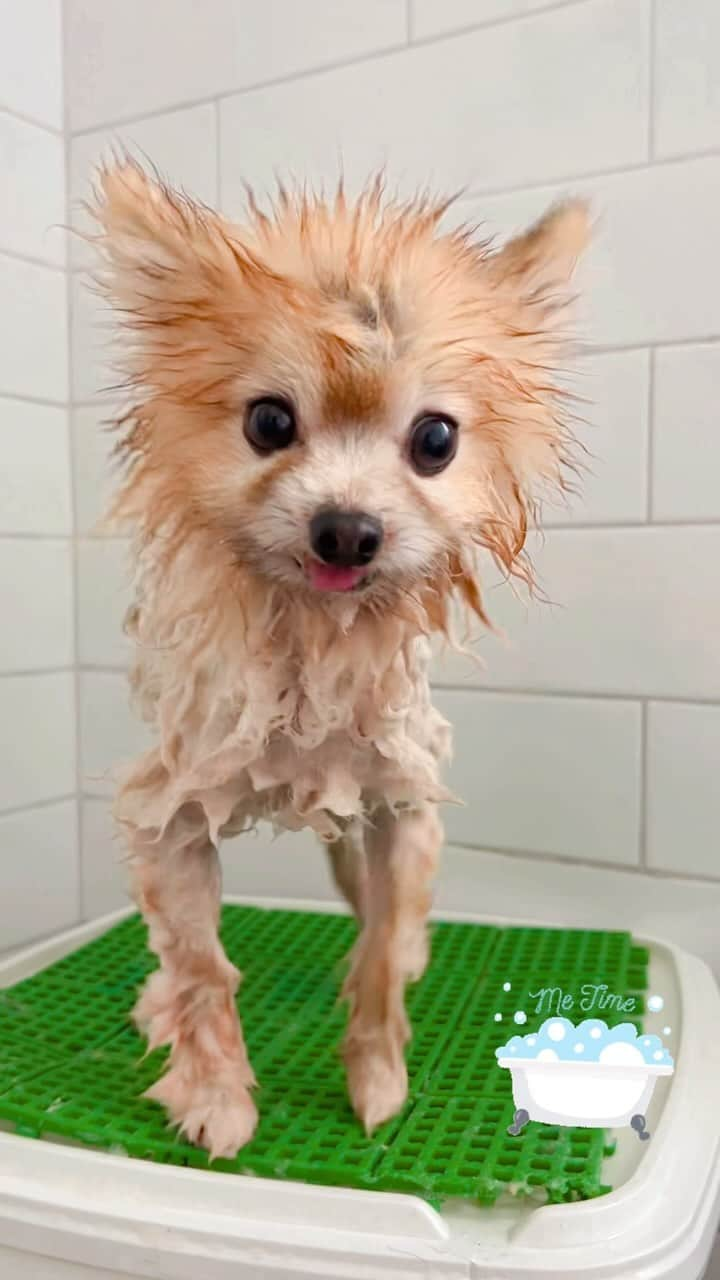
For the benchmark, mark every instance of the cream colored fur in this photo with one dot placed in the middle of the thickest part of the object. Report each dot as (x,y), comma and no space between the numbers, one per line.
(268,699)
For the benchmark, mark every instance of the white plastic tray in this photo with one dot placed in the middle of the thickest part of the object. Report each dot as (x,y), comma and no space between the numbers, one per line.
(67,1213)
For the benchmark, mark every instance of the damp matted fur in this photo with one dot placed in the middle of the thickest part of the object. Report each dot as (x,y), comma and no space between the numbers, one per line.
(267,697)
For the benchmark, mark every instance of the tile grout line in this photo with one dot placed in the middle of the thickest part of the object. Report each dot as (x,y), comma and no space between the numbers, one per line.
(650,461)
(474,193)
(32,673)
(551,6)
(218,155)
(644,873)
(409,21)
(294,77)
(643,813)
(8,536)
(31,120)
(526,691)
(651,148)
(597,526)
(207,100)
(590,349)
(31,261)
(46,803)
(548,526)
(27,399)
(67,138)
(647,874)
(443,686)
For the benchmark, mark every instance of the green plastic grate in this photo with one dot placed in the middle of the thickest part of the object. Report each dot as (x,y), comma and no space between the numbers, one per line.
(72,1065)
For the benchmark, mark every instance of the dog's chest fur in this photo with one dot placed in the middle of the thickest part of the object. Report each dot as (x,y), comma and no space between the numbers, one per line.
(300,719)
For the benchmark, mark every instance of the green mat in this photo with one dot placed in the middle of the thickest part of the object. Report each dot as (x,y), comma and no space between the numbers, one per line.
(71,1064)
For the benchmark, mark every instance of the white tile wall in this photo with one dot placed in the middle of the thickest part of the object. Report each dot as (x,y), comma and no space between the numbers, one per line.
(35,472)
(686,443)
(523,100)
(110,734)
(37,743)
(37,594)
(297,862)
(94,368)
(112,75)
(33,331)
(38,774)
(31,59)
(32,162)
(282,38)
(104,581)
(428,18)
(40,881)
(653,271)
(687,76)
(143,58)
(494,107)
(105,880)
(297,859)
(555,775)
(96,472)
(549,891)
(611,425)
(662,586)
(684,798)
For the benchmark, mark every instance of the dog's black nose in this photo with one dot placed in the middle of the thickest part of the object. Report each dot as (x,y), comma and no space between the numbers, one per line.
(345,537)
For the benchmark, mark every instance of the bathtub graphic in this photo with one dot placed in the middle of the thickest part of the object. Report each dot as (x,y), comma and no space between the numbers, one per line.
(589,1075)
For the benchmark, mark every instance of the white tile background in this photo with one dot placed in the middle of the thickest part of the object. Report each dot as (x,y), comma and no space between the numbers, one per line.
(31,71)
(588,748)
(39,862)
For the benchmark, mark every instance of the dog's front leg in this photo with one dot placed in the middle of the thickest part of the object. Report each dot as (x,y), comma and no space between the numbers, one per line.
(348,864)
(392,949)
(188,1003)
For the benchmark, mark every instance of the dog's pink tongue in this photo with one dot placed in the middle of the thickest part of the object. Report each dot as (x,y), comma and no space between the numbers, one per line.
(332,577)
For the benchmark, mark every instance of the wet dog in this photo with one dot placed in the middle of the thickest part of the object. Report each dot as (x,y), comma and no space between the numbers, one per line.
(334,405)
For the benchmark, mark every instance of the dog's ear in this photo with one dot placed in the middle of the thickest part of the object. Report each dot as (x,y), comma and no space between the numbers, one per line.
(532,278)
(149,234)
(537,265)
(179,278)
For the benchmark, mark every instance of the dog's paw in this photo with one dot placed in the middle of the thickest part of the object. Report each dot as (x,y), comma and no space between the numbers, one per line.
(377,1083)
(220,1116)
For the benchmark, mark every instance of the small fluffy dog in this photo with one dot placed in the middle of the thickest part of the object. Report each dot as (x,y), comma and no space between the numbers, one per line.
(334,405)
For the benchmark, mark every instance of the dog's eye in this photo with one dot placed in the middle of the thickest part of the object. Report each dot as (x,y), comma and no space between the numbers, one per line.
(433,443)
(270,425)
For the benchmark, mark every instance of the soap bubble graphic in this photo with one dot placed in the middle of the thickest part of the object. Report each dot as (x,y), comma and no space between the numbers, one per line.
(498,1017)
(520,1017)
(591,1041)
(656,1004)
(507,986)
(667,1031)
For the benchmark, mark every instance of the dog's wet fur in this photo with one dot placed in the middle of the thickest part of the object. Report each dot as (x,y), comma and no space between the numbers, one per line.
(411,374)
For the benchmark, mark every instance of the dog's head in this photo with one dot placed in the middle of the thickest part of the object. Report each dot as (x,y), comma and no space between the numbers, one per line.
(347,397)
